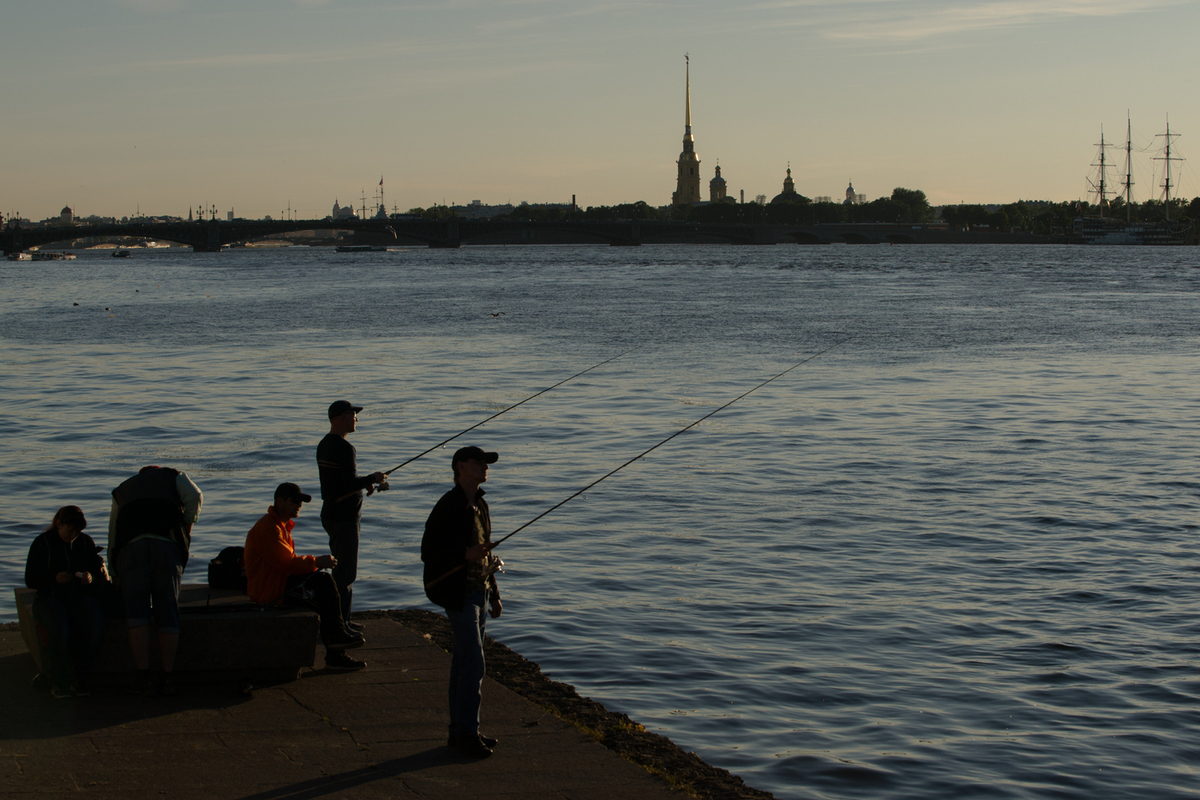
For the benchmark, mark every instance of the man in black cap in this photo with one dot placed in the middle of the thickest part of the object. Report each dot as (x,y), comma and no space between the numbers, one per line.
(460,576)
(342,496)
(275,574)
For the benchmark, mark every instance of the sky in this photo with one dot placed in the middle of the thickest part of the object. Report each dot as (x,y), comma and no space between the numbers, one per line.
(119,107)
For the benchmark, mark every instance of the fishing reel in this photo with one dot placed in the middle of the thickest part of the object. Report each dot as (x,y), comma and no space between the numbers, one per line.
(492,565)
(383,487)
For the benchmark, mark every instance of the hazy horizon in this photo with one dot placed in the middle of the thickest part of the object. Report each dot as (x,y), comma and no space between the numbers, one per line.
(166,105)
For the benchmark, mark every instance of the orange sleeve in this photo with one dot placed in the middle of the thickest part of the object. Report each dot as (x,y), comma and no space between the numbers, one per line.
(270,558)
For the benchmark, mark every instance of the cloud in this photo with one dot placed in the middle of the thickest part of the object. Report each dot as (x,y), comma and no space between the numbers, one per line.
(153,6)
(891,21)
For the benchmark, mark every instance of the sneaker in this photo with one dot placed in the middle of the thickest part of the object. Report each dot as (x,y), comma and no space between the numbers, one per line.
(143,684)
(169,687)
(473,747)
(59,693)
(80,691)
(341,662)
(345,641)
(355,627)
(487,741)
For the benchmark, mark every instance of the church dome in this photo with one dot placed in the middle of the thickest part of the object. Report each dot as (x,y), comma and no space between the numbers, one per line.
(789,193)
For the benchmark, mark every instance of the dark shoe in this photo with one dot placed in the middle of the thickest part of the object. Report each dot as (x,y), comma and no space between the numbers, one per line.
(345,641)
(341,662)
(488,741)
(143,684)
(169,688)
(355,627)
(80,691)
(472,746)
(41,682)
(59,693)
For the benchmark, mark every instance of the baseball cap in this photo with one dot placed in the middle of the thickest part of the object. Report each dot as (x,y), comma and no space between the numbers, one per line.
(290,491)
(340,407)
(468,453)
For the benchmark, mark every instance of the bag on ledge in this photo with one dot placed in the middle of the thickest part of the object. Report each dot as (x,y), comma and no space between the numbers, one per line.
(227,571)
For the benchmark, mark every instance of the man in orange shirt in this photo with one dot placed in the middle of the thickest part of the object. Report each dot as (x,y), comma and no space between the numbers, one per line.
(276,575)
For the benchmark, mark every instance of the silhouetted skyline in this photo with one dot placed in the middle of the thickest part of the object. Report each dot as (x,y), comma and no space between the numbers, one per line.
(166,105)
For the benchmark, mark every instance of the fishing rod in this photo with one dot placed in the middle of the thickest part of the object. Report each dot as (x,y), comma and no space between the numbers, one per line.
(643,454)
(492,417)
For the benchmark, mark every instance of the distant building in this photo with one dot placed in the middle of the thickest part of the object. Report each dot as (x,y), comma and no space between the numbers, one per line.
(789,193)
(716,189)
(687,186)
(853,199)
(478,210)
(66,216)
(342,212)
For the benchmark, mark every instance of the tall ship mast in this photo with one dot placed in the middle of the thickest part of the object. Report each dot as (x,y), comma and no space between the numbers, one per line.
(1128,183)
(1166,157)
(1100,185)
(1098,230)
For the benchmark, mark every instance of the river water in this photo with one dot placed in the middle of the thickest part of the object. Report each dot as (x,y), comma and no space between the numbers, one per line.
(953,557)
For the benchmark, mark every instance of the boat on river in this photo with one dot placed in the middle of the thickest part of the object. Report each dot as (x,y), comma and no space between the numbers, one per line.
(1108,230)
(1105,230)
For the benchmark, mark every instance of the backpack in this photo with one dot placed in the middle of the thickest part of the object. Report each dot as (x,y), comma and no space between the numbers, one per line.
(227,571)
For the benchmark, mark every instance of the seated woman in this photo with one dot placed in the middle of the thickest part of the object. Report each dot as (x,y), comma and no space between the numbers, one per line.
(66,569)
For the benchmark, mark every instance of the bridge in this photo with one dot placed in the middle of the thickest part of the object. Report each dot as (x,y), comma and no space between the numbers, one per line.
(212,235)
(206,236)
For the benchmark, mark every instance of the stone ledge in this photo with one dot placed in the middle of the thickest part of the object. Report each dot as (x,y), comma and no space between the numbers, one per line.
(223,637)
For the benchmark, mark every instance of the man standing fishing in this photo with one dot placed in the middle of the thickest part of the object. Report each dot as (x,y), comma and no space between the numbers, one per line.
(460,577)
(342,496)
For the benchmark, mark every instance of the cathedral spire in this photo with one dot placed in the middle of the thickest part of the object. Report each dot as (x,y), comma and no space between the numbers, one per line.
(687,119)
(687,187)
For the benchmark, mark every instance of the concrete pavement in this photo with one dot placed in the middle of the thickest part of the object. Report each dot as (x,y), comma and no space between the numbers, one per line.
(377,733)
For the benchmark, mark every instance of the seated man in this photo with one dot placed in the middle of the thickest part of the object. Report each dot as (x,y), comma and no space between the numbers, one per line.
(276,575)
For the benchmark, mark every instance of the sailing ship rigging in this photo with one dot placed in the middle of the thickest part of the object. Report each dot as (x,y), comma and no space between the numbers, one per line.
(1105,230)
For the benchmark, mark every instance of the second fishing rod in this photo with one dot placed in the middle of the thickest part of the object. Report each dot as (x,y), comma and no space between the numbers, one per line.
(495,563)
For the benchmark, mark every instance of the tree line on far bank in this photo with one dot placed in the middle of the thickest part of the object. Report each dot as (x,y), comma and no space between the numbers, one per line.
(903,206)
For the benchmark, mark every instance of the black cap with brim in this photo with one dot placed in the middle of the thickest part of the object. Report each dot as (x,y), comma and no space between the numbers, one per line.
(343,407)
(290,491)
(469,453)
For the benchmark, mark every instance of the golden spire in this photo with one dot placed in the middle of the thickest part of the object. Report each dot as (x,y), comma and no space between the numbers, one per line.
(687,121)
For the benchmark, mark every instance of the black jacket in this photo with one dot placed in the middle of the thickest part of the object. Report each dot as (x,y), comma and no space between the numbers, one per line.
(149,504)
(50,555)
(448,535)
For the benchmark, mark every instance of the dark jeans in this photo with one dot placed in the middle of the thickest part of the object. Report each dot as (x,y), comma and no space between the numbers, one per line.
(343,545)
(467,666)
(317,591)
(69,632)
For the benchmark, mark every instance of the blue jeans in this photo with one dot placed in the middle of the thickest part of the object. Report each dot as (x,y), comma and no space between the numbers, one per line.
(466,666)
(71,628)
(151,569)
